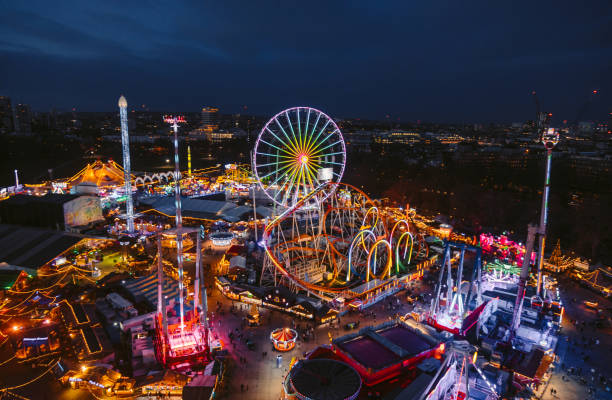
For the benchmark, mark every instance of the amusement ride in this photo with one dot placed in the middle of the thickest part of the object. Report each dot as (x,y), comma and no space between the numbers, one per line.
(328,238)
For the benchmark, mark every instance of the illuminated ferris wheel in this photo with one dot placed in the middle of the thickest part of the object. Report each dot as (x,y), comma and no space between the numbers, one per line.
(297,151)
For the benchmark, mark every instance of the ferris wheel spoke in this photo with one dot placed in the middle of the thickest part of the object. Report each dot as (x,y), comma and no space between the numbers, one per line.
(293,145)
(311,134)
(280,177)
(311,176)
(272,155)
(306,127)
(299,126)
(292,131)
(287,181)
(287,193)
(323,141)
(326,147)
(283,185)
(275,163)
(304,176)
(332,162)
(319,135)
(290,150)
(276,147)
(276,171)
(333,154)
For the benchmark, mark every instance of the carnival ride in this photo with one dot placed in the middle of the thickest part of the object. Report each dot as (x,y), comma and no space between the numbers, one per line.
(297,150)
(187,339)
(456,299)
(456,376)
(329,237)
(283,339)
(503,248)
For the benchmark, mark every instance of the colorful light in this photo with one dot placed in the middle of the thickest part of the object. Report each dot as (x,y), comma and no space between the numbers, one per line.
(290,151)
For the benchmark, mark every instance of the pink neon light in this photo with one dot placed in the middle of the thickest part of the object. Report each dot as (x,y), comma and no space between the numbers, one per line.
(172,119)
(503,248)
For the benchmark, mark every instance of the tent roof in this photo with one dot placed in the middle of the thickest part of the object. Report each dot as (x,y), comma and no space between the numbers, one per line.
(100,174)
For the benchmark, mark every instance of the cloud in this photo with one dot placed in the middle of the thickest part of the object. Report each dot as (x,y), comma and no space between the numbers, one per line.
(434,60)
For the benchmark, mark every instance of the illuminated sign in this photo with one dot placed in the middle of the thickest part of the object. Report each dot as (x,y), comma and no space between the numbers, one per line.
(179,119)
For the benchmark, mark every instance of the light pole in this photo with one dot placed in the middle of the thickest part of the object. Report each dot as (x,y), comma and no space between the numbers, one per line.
(179,219)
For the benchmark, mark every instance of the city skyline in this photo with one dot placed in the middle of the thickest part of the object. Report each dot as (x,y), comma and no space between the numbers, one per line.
(449,63)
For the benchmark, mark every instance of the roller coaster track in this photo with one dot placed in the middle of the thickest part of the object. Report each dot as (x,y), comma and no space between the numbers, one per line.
(373,226)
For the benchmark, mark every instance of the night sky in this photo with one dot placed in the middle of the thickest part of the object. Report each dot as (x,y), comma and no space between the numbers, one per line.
(443,61)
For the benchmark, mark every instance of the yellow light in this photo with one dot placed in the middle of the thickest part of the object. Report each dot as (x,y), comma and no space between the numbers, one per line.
(304,159)
(474,357)
(83,368)
(15,327)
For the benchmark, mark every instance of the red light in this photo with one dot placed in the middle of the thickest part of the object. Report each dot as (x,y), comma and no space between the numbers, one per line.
(595,91)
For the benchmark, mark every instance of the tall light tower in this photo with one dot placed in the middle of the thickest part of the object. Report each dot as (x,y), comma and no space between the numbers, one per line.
(127,176)
(189,161)
(550,138)
(179,218)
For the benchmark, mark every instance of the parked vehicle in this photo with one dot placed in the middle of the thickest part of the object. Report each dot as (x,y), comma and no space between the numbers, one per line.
(351,325)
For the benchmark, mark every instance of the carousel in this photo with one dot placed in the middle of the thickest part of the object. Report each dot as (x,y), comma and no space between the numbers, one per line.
(283,339)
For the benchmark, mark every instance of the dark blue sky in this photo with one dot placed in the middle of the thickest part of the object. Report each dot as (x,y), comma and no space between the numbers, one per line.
(429,60)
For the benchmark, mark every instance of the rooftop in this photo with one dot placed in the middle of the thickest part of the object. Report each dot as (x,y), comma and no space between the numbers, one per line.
(32,247)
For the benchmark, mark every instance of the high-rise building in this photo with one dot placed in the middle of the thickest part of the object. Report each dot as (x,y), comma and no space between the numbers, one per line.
(23,119)
(6,115)
(209,119)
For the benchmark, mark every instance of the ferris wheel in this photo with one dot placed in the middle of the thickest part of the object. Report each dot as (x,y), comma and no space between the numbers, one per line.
(297,151)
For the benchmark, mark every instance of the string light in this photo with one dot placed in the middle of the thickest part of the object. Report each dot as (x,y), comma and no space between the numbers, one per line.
(32,380)
(6,361)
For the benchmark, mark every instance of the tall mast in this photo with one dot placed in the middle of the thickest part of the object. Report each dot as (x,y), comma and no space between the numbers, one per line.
(550,138)
(127,176)
(196,285)
(189,161)
(179,219)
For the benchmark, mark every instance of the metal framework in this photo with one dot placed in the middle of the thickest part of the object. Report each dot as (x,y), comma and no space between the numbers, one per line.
(452,380)
(550,138)
(178,218)
(125,145)
(450,314)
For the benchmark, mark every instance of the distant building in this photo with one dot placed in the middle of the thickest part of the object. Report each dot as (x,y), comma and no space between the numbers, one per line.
(23,119)
(398,137)
(221,136)
(585,126)
(6,115)
(360,141)
(209,121)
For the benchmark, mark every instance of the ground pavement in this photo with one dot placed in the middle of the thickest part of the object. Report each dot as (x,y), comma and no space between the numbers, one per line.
(577,341)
